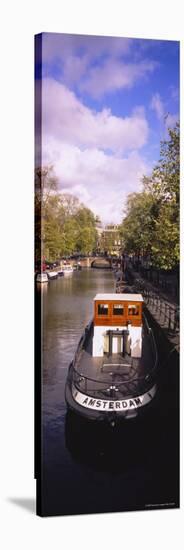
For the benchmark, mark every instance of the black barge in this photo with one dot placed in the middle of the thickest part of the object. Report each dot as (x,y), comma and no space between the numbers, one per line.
(113,373)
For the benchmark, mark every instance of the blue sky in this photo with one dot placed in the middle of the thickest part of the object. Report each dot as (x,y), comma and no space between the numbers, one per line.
(104,100)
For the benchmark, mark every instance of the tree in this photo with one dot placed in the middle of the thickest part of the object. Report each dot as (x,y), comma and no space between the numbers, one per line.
(87,233)
(70,235)
(151,224)
(53,228)
(45,185)
(70,204)
(165,245)
(139,224)
(164,185)
(164,182)
(62,224)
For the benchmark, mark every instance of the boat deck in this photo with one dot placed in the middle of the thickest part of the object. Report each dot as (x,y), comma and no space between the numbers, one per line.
(114,375)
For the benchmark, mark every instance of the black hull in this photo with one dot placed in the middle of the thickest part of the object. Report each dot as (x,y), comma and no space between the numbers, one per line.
(111,417)
(116,396)
(52,278)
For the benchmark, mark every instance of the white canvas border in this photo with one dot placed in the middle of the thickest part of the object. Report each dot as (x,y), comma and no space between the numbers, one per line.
(21,22)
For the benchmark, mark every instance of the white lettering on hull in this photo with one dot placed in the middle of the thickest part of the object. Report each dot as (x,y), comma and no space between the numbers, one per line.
(116,405)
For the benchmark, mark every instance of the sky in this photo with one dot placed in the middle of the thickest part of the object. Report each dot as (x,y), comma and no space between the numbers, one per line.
(104,103)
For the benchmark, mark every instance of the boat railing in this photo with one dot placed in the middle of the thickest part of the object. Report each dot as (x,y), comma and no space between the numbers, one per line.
(107,388)
(79,349)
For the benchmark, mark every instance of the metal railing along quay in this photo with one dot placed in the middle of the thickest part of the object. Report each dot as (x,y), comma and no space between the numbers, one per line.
(166,312)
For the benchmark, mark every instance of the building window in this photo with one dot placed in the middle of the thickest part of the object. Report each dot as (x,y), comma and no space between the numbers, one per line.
(133,310)
(103,309)
(118,309)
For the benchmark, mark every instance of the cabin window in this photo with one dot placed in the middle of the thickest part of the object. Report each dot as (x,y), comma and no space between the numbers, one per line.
(103,309)
(118,309)
(133,310)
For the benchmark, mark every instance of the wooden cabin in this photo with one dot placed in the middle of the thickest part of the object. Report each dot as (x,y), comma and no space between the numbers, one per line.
(117,324)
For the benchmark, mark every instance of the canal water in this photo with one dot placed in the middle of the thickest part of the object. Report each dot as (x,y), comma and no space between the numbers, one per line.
(87,468)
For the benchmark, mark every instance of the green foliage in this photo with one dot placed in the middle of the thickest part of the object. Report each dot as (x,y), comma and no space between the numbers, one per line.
(151,225)
(165,246)
(87,234)
(45,185)
(139,224)
(62,224)
(164,180)
(70,235)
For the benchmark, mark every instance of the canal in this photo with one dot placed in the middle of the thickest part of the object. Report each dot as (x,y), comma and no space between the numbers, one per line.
(86,468)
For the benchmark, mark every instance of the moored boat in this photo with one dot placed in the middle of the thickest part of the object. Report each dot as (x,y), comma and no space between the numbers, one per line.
(67,269)
(60,273)
(113,373)
(42,278)
(52,274)
(77,266)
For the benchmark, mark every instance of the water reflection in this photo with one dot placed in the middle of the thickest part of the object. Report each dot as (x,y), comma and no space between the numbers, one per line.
(42,287)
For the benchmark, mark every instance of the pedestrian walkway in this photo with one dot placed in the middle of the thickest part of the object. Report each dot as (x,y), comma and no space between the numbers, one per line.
(164,294)
(162,306)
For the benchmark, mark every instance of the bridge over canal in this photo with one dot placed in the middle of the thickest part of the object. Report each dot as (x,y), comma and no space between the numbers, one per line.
(96,262)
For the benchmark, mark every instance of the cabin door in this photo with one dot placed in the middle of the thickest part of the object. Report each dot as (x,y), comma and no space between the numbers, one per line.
(117,341)
(117,344)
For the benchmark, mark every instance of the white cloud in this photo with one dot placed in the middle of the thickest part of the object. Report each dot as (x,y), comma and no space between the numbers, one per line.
(57,47)
(101,181)
(95,154)
(168,119)
(158,106)
(74,68)
(114,75)
(96,64)
(171,120)
(68,119)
